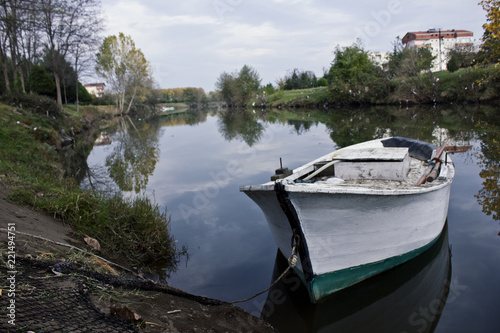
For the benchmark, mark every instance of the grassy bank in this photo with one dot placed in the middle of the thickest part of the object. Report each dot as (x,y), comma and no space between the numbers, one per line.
(465,85)
(32,167)
(300,98)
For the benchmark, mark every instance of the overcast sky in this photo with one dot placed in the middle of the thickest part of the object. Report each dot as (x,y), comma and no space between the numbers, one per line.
(191,42)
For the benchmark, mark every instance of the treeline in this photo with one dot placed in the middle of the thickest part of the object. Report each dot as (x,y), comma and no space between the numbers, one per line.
(187,95)
(45,45)
(300,79)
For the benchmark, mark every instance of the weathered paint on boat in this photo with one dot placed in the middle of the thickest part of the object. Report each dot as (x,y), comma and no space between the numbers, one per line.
(350,232)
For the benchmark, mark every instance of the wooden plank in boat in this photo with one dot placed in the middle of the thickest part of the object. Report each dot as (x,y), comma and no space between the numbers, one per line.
(372,154)
(373,163)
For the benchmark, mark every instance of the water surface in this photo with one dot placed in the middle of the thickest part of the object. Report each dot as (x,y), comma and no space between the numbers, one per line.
(193,163)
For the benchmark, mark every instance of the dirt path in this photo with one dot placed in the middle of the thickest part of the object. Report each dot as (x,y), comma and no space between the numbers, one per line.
(46,301)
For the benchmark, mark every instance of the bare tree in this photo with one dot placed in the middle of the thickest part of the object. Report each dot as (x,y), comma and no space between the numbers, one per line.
(66,24)
(11,28)
(19,39)
(83,51)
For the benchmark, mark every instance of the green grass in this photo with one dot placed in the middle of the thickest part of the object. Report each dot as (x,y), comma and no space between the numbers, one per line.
(311,97)
(135,230)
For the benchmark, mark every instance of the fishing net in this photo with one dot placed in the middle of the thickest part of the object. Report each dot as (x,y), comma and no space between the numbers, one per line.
(45,302)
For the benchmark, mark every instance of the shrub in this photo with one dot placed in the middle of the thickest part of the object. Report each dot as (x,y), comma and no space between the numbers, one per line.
(38,104)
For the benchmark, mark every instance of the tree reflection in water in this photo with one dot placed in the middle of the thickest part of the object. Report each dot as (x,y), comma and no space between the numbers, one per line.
(135,156)
(489,159)
(241,124)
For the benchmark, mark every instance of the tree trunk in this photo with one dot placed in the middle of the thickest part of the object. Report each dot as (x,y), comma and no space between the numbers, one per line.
(77,102)
(122,102)
(21,77)
(58,89)
(131,100)
(64,90)
(5,74)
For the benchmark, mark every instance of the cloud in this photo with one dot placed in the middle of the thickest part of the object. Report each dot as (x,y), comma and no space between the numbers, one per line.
(189,43)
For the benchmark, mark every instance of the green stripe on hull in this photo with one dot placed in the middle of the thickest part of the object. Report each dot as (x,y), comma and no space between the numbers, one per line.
(325,284)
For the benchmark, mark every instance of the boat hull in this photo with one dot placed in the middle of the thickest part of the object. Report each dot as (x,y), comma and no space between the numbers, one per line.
(351,237)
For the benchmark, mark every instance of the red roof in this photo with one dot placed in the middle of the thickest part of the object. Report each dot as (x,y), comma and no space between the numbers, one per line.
(435,34)
(94,85)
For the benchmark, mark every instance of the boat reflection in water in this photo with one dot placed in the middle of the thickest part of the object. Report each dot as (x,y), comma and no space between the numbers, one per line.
(407,298)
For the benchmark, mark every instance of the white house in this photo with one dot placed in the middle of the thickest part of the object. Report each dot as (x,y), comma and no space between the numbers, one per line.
(379,58)
(95,89)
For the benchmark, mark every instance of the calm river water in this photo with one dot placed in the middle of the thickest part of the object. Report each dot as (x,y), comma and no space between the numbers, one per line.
(193,163)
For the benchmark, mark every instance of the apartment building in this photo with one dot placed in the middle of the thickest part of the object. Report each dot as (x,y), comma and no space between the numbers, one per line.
(95,89)
(440,42)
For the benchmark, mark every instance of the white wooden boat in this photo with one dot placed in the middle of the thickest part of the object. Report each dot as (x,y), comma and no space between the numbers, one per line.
(358,211)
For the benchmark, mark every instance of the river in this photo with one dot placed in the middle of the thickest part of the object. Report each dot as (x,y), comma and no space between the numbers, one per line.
(192,164)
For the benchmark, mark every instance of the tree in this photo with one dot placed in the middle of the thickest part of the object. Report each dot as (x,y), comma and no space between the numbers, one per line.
(17,30)
(66,24)
(322,82)
(124,67)
(490,48)
(248,83)
(297,79)
(460,57)
(40,82)
(353,76)
(409,61)
(352,65)
(226,85)
(237,89)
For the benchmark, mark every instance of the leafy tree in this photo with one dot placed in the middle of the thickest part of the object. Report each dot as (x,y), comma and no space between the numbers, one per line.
(124,67)
(297,79)
(188,95)
(83,95)
(269,89)
(323,82)
(490,48)
(247,84)
(66,72)
(354,77)
(410,61)
(40,82)
(191,96)
(460,57)
(226,85)
(237,89)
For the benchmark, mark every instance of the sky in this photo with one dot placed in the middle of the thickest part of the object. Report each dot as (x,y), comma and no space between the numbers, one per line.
(190,43)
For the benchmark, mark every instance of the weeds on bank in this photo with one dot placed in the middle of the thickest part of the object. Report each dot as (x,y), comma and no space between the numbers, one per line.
(135,229)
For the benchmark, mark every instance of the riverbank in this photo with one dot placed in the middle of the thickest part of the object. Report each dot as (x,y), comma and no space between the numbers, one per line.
(45,209)
(467,85)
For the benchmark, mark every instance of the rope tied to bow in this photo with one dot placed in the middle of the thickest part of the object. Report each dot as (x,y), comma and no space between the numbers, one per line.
(292,262)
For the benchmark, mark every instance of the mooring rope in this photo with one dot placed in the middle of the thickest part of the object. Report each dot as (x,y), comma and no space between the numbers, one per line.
(292,261)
